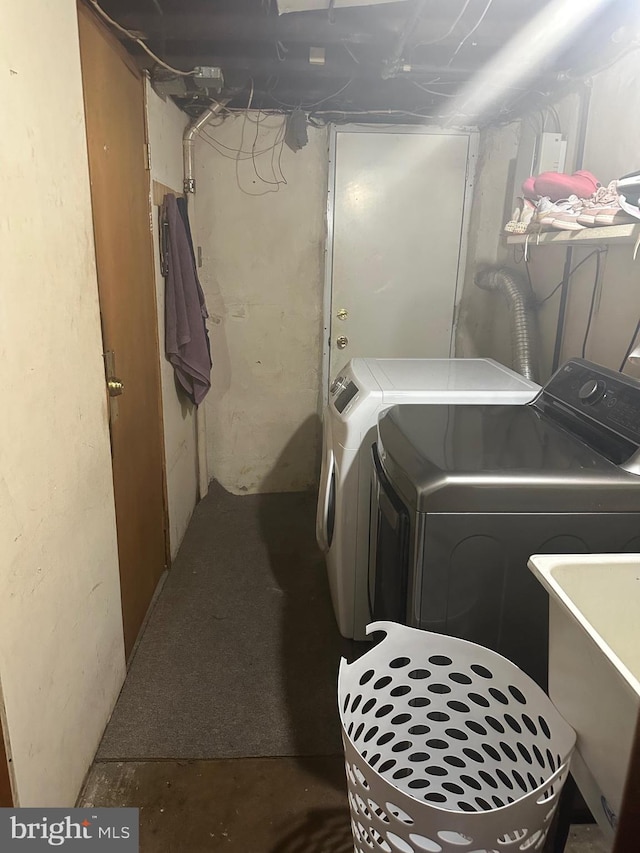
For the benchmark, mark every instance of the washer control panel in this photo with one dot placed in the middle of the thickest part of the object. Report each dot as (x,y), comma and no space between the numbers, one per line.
(597,394)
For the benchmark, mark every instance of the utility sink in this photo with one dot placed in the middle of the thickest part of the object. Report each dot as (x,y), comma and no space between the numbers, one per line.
(594,668)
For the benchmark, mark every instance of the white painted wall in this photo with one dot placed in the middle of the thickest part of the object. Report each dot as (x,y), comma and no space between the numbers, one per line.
(263,277)
(61,646)
(166,125)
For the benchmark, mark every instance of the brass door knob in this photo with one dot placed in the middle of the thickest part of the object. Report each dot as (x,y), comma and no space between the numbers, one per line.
(115,386)
(342,342)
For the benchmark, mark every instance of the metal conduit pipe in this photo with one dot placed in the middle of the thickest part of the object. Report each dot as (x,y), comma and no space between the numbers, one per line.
(519,296)
(189,139)
(188,143)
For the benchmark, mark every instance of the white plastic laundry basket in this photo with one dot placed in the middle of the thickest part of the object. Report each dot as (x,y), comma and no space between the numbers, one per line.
(450,748)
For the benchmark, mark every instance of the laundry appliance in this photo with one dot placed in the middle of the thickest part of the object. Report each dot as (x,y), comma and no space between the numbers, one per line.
(462,496)
(365,388)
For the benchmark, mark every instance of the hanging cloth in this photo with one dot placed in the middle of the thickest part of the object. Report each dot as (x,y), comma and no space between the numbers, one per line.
(186,336)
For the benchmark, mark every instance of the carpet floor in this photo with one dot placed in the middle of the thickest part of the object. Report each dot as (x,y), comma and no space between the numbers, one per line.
(240,655)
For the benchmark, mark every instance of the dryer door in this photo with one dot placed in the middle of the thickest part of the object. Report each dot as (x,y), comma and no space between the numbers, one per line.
(325,514)
(388,550)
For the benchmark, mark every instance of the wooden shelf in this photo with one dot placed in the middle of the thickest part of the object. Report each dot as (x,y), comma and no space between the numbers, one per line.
(587,236)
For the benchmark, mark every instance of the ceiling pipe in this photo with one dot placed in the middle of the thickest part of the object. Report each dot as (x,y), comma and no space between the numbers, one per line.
(189,139)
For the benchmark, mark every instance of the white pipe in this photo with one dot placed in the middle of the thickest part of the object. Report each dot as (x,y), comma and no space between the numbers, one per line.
(188,144)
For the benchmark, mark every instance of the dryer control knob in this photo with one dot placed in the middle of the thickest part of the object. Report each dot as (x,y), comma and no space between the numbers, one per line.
(592,391)
(338,384)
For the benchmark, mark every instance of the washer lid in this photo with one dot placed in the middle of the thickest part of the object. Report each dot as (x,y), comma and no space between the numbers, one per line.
(448,380)
(497,459)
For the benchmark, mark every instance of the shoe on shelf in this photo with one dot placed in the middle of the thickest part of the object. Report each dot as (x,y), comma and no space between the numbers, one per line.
(561,215)
(567,218)
(511,225)
(522,216)
(603,208)
(545,209)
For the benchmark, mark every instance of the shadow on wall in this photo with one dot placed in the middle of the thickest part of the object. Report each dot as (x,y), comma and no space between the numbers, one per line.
(321,831)
(294,458)
(186,406)
(310,643)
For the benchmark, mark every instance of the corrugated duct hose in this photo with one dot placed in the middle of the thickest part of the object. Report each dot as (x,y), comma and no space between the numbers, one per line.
(519,295)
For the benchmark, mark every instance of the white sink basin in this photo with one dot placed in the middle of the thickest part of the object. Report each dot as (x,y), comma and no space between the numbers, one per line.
(594,667)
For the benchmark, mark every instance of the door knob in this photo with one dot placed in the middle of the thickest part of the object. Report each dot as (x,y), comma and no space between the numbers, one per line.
(342,342)
(115,386)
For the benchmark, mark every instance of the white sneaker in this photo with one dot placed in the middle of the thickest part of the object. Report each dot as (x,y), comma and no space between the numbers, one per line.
(603,208)
(564,214)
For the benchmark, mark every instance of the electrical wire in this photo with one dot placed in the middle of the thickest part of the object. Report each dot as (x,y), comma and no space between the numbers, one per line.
(315,104)
(630,347)
(449,31)
(554,112)
(244,155)
(138,41)
(594,293)
(471,32)
(276,182)
(571,273)
(432,91)
(239,154)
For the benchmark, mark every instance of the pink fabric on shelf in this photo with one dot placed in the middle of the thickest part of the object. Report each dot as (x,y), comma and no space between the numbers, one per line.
(529,189)
(557,186)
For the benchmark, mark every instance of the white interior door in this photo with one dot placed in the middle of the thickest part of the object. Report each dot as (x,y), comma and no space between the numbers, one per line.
(396,215)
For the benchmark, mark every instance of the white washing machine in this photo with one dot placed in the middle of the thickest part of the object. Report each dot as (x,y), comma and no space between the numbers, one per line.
(365,388)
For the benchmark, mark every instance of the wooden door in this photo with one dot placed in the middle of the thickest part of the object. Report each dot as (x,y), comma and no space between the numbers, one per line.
(6,797)
(397,201)
(116,137)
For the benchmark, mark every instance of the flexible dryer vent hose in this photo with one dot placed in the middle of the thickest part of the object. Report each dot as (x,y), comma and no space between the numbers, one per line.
(519,295)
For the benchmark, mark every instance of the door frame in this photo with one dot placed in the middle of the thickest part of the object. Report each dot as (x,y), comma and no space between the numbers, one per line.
(472,157)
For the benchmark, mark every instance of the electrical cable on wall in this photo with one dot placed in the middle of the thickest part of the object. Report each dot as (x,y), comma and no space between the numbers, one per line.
(632,342)
(138,41)
(594,293)
(277,179)
(571,273)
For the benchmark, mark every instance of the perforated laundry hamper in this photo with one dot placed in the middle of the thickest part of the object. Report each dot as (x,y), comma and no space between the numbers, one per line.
(449,748)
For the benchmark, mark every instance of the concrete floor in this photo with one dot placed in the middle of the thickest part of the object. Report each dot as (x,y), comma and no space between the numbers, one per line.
(251,805)
(193,799)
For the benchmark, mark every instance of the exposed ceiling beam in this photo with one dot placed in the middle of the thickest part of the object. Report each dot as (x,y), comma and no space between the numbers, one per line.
(300,29)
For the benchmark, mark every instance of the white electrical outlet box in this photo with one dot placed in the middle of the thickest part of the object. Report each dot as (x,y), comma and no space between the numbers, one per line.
(552,153)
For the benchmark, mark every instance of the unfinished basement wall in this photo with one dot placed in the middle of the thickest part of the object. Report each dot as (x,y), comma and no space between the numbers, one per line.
(483,320)
(610,151)
(262,273)
(61,645)
(166,125)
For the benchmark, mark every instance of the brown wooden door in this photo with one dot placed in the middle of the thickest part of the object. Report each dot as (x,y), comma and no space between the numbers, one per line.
(116,137)
(6,797)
